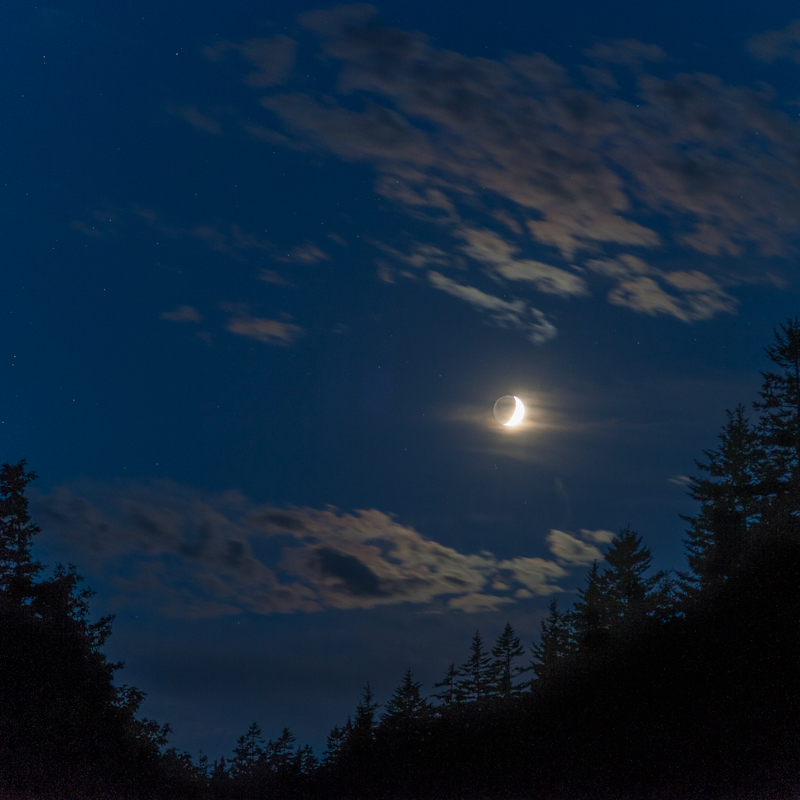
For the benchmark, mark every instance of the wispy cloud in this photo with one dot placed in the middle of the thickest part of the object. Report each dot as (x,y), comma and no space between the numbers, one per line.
(273,58)
(513,313)
(182,314)
(772,45)
(304,254)
(271,331)
(194,556)
(571,550)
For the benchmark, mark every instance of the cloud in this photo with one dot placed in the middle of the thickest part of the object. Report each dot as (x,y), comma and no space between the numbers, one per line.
(772,45)
(690,162)
(490,249)
(680,480)
(570,550)
(627,52)
(182,314)
(271,331)
(599,536)
(195,117)
(270,276)
(306,254)
(273,58)
(515,313)
(689,296)
(169,548)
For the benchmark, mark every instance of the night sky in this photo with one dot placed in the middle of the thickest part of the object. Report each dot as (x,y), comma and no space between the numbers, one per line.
(266,268)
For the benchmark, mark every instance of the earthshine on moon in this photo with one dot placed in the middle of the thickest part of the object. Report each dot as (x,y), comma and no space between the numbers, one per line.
(509,410)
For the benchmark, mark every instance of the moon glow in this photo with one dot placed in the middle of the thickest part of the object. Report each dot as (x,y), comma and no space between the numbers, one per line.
(509,411)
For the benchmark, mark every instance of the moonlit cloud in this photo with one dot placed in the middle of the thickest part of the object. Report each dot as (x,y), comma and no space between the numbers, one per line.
(569,169)
(490,249)
(599,536)
(271,331)
(186,555)
(689,296)
(305,254)
(772,45)
(571,550)
(182,314)
(515,313)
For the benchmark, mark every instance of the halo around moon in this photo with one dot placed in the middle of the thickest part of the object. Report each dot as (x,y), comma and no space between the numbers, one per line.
(509,410)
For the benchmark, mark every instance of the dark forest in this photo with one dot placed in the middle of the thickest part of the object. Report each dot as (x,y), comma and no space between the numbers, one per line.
(656,686)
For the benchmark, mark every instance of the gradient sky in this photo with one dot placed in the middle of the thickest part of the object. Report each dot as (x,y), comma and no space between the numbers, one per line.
(267,267)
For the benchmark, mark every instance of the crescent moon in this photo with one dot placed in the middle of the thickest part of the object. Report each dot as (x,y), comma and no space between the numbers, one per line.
(519,413)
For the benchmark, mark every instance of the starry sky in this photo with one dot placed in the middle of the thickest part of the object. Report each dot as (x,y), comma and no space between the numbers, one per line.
(267,267)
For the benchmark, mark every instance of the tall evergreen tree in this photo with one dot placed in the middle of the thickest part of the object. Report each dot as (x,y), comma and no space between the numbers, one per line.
(731,503)
(246,766)
(63,719)
(280,753)
(335,742)
(404,724)
(406,708)
(592,614)
(555,643)
(363,733)
(17,570)
(779,426)
(506,649)
(452,695)
(477,673)
(629,594)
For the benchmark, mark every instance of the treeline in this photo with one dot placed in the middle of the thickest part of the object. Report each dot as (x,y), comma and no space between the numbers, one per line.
(650,687)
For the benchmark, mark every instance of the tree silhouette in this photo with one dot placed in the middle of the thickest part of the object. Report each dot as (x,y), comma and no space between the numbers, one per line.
(630,596)
(730,507)
(592,614)
(63,723)
(506,649)
(17,570)
(364,723)
(335,742)
(477,673)
(452,695)
(280,752)
(779,425)
(554,644)
(249,748)
(406,708)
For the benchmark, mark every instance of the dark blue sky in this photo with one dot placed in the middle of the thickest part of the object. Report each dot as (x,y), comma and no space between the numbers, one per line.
(267,269)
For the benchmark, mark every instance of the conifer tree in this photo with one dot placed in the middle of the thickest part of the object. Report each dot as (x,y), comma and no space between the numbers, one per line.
(779,425)
(335,742)
(304,762)
(56,684)
(17,570)
(280,753)
(477,673)
(591,615)
(406,708)
(506,649)
(247,757)
(403,727)
(364,723)
(730,507)
(554,644)
(630,596)
(452,695)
